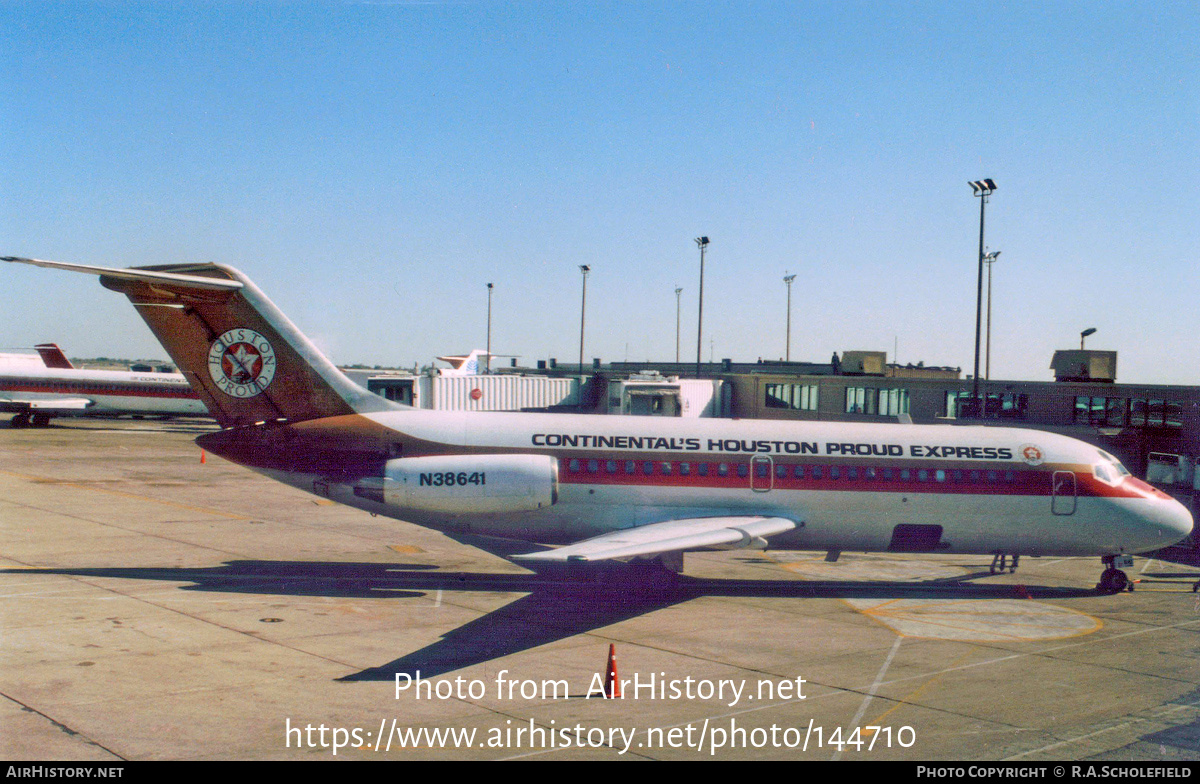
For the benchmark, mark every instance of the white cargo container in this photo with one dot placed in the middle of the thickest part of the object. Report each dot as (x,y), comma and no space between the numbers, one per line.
(501,393)
(477,392)
(1164,468)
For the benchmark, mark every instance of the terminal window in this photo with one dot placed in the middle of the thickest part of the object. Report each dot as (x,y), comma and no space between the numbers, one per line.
(996,405)
(1136,412)
(798,397)
(885,402)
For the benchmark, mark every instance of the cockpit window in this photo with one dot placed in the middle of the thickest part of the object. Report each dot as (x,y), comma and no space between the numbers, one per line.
(1109,470)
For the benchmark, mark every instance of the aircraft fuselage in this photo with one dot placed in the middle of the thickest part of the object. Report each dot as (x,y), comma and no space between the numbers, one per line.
(848,486)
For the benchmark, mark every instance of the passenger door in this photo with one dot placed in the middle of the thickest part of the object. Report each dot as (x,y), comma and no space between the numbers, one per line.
(1062,502)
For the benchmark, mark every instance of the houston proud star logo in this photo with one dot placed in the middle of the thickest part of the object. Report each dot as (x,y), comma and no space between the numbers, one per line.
(241,363)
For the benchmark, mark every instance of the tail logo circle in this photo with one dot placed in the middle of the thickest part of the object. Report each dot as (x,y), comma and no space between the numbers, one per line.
(241,363)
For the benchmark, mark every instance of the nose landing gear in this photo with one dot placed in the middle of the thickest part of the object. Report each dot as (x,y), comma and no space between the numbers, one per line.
(1113,580)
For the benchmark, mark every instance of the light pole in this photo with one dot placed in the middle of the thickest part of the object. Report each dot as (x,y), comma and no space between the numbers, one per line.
(1084,334)
(585,269)
(989,260)
(487,361)
(983,189)
(678,291)
(788,353)
(702,243)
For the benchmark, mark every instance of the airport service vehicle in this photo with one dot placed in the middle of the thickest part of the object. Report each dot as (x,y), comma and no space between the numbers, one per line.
(633,488)
(37,390)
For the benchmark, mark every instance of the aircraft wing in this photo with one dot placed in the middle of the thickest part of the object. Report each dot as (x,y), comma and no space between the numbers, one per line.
(725,533)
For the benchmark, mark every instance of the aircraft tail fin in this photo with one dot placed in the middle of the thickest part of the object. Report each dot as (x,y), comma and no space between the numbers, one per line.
(465,365)
(53,356)
(244,358)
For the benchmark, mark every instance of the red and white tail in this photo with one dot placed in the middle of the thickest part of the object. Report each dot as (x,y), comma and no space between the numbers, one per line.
(244,358)
(53,356)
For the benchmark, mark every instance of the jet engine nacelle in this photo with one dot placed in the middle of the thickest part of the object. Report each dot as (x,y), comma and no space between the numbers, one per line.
(466,484)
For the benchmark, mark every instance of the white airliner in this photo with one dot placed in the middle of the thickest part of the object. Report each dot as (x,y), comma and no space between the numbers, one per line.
(37,389)
(633,488)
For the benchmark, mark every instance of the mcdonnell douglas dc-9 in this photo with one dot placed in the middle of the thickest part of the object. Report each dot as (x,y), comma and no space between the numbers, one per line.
(630,488)
(50,386)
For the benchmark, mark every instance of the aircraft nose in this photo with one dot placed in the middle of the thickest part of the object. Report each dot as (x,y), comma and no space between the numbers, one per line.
(1172,523)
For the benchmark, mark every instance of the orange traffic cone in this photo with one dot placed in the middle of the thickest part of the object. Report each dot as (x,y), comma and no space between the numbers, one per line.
(202,459)
(612,685)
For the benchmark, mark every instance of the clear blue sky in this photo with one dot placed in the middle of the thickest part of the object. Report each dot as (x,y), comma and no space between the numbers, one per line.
(372,165)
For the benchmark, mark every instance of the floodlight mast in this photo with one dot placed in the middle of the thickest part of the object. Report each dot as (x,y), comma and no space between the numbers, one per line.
(678,291)
(585,269)
(989,260)
(702,243)
(487,361)
(787,279)
(983,189)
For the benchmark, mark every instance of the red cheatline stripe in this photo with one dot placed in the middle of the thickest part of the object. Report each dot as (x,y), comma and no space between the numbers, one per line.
(1024,482)
(86,389)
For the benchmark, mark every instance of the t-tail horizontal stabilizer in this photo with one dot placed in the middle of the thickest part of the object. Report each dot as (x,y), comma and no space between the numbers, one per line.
(244,358)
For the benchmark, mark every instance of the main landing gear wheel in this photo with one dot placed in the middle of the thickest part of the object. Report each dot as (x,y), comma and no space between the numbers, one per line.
(1000,563)
(1114,581)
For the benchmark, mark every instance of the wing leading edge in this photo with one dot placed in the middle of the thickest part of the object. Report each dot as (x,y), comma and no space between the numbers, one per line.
(725,533)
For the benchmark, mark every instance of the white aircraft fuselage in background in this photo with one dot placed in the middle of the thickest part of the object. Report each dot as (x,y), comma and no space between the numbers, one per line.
(36,393)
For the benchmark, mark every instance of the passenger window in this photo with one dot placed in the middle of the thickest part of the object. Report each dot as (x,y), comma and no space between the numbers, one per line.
(723,469)
(593,466)
(648,468)
(702,469)
(817,472)
(666,469)
(630,466)
(685,469)
(611,466)
(743,470)
(798,472)
(573,466)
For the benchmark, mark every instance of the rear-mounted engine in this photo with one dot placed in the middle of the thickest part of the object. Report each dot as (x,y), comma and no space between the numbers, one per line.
(467,484)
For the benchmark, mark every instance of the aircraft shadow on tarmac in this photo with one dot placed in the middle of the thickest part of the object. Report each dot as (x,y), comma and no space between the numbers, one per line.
(553,607)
